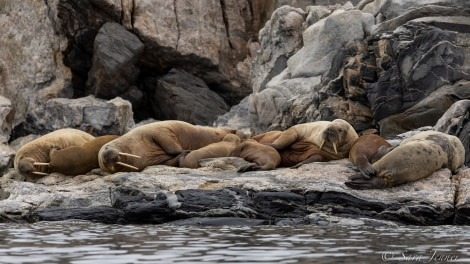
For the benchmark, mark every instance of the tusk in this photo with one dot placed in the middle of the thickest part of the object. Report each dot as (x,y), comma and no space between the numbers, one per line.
(129,155)
(41,164)
(321,144)
(334,147)
(127,165)
(40,173)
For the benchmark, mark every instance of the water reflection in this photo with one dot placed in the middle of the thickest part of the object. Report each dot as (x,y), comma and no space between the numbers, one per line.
(85,242)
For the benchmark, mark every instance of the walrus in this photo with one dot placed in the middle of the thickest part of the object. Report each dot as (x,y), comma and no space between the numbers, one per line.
(77,160)
(260,156)
(157,143)
(318,141)
(32,159)
(223,148)
(368,149)
(415,158)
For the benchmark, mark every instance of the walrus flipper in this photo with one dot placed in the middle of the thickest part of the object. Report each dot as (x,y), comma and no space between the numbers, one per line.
(250,167)
(367,171)
(359,182)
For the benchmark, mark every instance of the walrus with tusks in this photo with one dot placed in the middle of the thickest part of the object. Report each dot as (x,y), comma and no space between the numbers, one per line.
(223,148)
(157,143)
(415,158)
(77,160)
(311,142)
(368,149)
(32,159)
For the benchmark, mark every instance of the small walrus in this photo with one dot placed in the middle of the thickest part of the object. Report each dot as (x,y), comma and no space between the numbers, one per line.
(223,148)
(77,160)
(157,143)
(415,158)
(311,142)
(261,157)
(32,159)
(367,149)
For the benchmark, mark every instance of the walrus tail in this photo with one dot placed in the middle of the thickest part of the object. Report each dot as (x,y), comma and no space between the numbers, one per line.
(359,182)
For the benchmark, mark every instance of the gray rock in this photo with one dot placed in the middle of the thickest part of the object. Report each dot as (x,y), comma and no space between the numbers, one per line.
(237,118)
(7,113)
(456,121)
(97,116)
(115,55)
(280,38)
(182,96)
(426,112)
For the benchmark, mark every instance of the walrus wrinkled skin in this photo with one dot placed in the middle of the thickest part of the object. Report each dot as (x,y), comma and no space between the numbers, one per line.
(415,158)
(311,142)
(260,156)
(223,148)
(78,160)
(366,150)
(32,159)
(157,143)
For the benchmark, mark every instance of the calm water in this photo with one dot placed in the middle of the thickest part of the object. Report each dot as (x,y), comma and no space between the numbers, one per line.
(85,242)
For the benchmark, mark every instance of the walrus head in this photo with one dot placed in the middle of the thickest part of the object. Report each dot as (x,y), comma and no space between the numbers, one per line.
(111,157)
(27,166)
(339,133)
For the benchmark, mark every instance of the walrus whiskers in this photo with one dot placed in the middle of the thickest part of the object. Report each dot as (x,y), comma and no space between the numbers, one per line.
(40,173)
(127,165)
(129,155)
(41,163)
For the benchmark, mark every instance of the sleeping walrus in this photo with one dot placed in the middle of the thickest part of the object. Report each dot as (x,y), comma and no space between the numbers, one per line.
(157,143)
(415,158)
(32,159)
(311,142)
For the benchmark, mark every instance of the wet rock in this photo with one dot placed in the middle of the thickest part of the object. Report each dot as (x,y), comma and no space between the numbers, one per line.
(96,116)
(182,96)
(462,200)
(115,55)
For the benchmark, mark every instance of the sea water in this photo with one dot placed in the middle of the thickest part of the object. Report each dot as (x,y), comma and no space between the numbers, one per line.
(87,242)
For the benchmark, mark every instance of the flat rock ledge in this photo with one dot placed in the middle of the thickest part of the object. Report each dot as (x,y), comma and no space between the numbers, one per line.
(216,194)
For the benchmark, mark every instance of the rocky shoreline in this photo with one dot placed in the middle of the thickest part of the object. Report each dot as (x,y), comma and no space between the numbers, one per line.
(103,66)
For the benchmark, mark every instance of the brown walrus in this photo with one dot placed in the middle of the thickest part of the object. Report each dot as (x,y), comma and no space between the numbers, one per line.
(262,157)
(157,143)
(367,150)
(32,159)
(223,148)
(311,142)
(77,160)
(415,158)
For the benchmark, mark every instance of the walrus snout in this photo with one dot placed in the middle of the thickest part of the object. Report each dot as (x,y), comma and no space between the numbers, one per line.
(331,134)
(27,166)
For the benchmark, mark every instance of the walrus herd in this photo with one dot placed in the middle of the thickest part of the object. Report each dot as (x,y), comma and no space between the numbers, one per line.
(180,144)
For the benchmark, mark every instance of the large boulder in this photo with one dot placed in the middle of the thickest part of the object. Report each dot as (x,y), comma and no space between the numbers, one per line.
(413,62)
(456,121)
(97,116)
(300,93)
(31,56)
(115,55)
(182,96)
